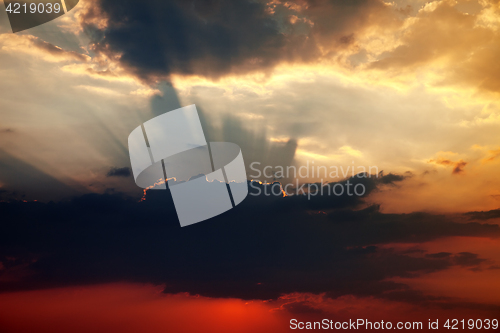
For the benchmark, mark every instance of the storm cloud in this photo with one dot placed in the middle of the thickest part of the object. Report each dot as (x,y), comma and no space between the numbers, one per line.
(155,38)
(265,247)
(119,172)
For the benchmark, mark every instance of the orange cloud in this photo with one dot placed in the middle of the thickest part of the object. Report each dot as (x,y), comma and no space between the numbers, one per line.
(452,43)
(493,154)
(458,166)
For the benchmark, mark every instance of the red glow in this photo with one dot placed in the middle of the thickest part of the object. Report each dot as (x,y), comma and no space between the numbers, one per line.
(130,308)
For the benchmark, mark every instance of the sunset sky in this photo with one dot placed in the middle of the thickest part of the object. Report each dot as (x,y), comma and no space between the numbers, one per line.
(408,87)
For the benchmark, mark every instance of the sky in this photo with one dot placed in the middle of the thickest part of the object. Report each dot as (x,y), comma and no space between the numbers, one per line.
(408,88)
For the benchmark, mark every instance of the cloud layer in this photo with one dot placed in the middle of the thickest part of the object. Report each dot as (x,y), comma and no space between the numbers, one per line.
(154,39)
(265,247)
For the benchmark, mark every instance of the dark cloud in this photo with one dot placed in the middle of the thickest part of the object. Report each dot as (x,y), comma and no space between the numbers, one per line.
(119,172)
(347,39)
(467,259)
(491,214)
(459,167)
(392,178)
(302,307)
(156,38)
(338,22)
(438,255)
(265,247)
